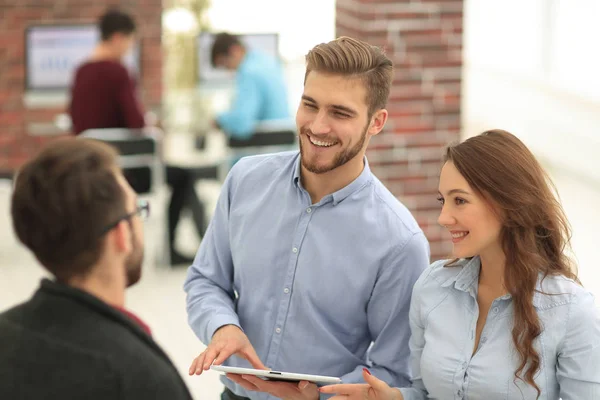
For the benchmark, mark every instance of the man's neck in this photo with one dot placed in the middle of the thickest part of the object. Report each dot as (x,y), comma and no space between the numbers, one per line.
(321,185)
(110,288)
(104,52)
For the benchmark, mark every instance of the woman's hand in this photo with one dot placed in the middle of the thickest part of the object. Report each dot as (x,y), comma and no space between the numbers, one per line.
(374,389)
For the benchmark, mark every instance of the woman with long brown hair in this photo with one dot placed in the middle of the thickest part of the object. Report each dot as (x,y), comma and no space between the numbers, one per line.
(507,318)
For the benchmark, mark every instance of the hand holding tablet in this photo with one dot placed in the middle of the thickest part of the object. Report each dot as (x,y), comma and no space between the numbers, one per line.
(226,341)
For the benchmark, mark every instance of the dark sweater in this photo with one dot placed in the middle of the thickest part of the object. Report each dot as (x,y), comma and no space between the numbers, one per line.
(67,344)
(103,96)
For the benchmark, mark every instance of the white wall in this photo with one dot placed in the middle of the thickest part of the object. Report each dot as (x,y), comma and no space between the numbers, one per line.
(532,67)
(301,24)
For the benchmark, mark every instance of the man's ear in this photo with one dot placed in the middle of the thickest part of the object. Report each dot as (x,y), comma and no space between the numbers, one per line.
(378,121)
(121,237)
(235,50)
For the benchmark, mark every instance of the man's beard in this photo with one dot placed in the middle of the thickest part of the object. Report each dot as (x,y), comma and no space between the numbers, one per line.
(133,263)
(340,158)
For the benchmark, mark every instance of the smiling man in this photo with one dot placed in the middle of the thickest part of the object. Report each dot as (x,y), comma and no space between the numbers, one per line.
(309,262)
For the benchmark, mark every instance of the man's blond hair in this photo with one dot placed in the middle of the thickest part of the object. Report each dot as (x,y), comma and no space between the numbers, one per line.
(355,59)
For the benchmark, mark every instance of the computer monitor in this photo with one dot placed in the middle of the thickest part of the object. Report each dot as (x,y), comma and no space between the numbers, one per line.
(266,42)
(53,52)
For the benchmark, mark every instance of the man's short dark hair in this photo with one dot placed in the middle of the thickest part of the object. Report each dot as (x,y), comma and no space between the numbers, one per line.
(62,200)
(223,42)
(115,21)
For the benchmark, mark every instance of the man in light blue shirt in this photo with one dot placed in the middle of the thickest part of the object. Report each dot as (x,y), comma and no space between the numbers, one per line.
(309,262)
(261,93)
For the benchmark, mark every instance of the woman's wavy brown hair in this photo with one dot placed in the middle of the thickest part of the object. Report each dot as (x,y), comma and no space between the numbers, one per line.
(535,232)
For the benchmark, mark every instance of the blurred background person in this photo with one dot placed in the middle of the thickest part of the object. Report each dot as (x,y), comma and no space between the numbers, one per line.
(260,87)
(104,96)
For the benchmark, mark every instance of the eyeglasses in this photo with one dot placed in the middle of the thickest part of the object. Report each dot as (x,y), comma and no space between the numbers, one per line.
(142,209)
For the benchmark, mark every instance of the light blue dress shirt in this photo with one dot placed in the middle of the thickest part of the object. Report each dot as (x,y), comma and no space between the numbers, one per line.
(261,95)
(443,318)
(311,285)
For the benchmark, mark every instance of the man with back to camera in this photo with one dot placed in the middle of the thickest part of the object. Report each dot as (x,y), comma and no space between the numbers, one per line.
(309,259)
(72,207)
(103,95)
(261,93)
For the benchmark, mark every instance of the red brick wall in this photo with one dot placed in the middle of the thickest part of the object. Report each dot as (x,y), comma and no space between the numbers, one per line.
(424,39)
(16,143)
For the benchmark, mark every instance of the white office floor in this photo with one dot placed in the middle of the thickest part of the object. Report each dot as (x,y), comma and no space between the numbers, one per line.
(160,301)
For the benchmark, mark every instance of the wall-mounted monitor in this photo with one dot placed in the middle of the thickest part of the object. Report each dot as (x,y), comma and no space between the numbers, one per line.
(266,42)
(53,53)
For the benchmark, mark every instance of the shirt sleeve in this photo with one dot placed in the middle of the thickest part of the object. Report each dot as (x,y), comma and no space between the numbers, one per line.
(240,120)
(388,312)
(209,282)
(128,103)
(578,364)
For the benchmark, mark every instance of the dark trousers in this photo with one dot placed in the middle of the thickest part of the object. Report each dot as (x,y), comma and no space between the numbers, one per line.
(183,195)
(229,395)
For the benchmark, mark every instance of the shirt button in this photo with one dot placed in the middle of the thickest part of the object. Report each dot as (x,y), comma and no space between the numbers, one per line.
(483,340)
(278,330)
(496,309)
(460,393)
(308,210)
(295,249)
(286,290)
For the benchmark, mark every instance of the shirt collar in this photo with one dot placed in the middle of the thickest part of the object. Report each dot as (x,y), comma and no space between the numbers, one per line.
(364,178)
(84,297)
(137,319)
(468,275)
(468,278)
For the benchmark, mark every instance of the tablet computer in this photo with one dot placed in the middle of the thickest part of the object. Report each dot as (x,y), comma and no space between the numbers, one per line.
(277,375)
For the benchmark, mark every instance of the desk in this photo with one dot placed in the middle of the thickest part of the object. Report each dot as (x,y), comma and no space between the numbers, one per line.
(211,163)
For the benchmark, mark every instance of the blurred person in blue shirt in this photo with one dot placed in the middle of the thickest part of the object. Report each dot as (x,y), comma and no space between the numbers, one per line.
(507,319)
(309,261)
(261,93)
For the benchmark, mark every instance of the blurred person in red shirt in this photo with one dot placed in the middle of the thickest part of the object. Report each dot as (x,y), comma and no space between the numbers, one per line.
(103,95)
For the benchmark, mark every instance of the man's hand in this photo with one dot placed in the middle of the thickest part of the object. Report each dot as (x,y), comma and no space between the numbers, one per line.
(374,389)
(282,390)
(227,341)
